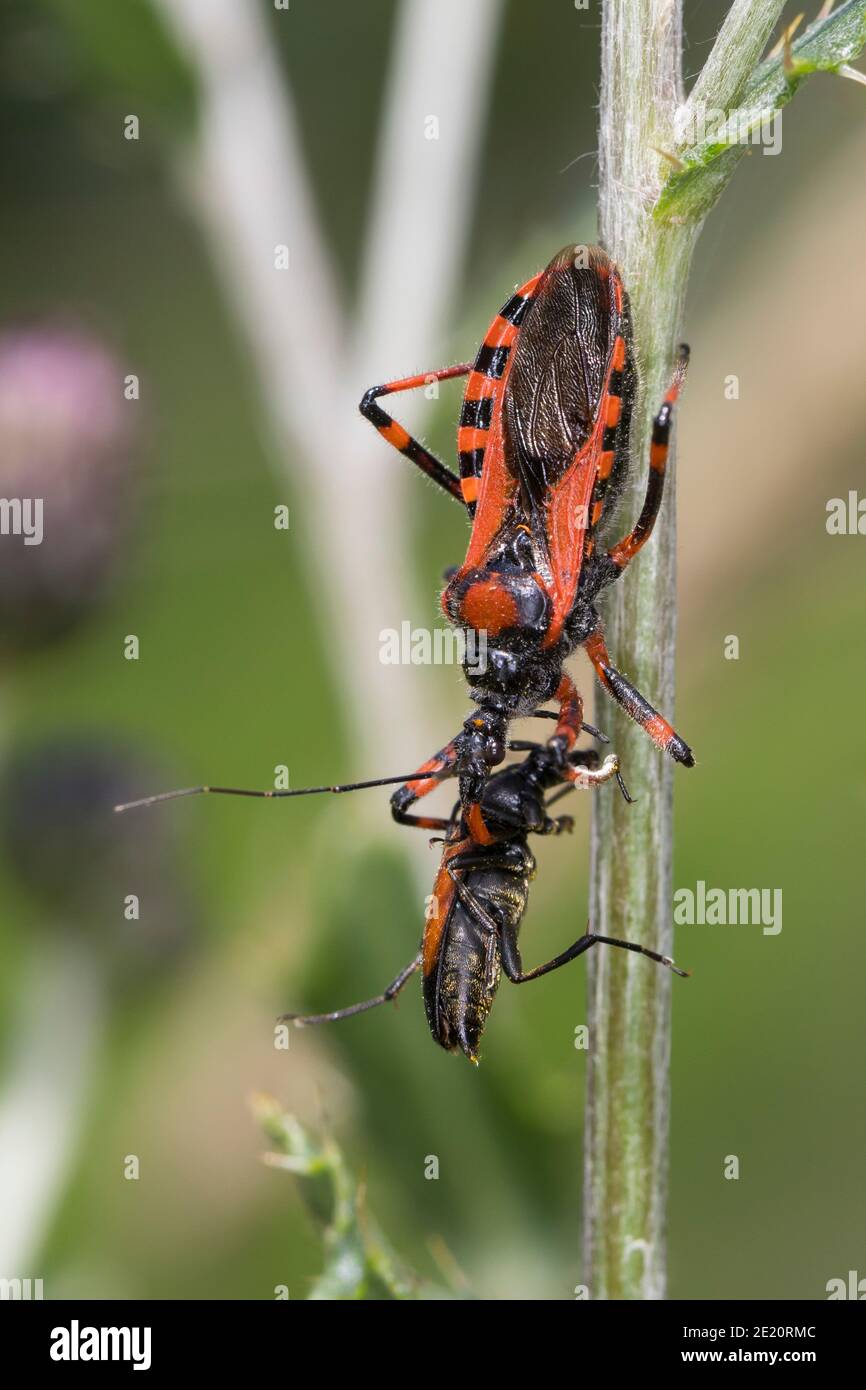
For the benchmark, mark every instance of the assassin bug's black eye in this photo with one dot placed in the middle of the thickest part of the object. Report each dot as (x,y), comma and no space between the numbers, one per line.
(504,665)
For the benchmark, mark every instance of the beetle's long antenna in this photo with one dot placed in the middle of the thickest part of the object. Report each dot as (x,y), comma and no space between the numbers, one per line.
(300,791)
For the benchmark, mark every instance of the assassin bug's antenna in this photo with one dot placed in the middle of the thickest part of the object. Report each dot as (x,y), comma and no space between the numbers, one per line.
(271,795)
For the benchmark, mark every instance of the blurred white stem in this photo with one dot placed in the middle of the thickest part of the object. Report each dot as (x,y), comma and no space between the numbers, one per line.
(251,191)
(423,188)
(61,1010)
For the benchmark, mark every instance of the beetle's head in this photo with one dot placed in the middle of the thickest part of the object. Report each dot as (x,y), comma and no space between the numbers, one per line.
(482,747)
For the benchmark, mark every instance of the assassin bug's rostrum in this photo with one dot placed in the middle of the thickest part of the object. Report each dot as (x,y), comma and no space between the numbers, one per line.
(481,890)
(543,449)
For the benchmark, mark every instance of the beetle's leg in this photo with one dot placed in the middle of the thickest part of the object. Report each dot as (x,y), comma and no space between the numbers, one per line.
(557,825)
(476,857)
(473,858)
(513,966)
(402,441)
(468,897)
(441,766)
(634,704)
(511,960)
(624,552)
(468,860)
(301,1020)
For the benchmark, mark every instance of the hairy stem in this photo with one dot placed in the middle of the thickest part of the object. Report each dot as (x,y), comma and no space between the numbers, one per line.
(629,1000)
(654,193)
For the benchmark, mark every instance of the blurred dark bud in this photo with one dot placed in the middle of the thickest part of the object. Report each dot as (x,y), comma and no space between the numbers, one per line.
(66,469)
(118,881)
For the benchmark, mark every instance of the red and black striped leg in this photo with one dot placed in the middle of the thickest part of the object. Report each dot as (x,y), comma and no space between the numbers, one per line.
(570,720)
(634,704)
(401,440)
(489,371)
(430,776)
(623,553)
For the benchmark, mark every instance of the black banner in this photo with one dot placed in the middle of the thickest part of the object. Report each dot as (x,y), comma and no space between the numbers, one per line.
(154,1338)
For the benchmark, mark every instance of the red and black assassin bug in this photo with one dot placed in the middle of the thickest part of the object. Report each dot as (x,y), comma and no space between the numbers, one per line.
(543,450)
(481,890)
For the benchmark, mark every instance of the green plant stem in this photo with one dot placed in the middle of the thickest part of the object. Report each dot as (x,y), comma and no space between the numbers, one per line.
(650,214)
(629,1004)
(359,1262)
(736,52)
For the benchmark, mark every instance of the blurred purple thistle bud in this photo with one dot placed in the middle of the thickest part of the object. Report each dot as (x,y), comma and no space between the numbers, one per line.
(66,466)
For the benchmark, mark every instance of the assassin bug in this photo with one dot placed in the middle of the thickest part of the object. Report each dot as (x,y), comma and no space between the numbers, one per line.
(481,890)
(543,451)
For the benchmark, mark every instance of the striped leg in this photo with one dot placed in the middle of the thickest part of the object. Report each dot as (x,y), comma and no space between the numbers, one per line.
(570,720)
(484,387)
(623,553)
(401,440)
(634,704)
(568,729)
(441,766)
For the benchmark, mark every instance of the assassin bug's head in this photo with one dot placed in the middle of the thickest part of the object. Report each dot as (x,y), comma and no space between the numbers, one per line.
(516,676)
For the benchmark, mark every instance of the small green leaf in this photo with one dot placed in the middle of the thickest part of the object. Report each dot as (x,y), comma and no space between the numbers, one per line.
(359,1262)
(827,45)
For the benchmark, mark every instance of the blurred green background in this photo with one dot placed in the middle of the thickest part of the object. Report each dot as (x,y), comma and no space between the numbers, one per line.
(147,1037)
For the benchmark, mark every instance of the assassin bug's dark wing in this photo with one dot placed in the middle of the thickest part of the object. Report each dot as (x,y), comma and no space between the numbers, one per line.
(559,373)
(567,414)
(556,418)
